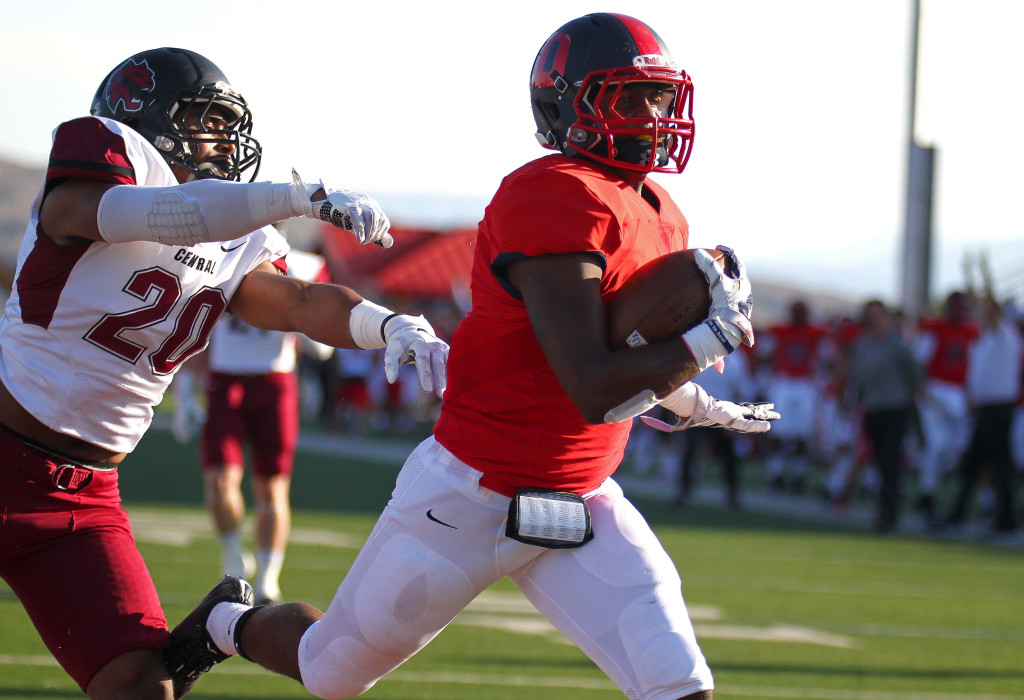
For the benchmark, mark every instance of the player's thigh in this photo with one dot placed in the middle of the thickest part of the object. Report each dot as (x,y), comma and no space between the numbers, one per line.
(619,599)
(438,544)
(224,430)
(80,576)
(272,422)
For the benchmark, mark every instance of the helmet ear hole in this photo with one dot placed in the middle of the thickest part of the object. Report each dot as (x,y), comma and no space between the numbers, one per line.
(552,112)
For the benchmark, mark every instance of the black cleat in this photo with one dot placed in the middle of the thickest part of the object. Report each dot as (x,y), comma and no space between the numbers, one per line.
(192,652)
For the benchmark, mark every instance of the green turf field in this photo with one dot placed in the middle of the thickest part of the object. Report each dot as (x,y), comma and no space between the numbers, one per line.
(783,608)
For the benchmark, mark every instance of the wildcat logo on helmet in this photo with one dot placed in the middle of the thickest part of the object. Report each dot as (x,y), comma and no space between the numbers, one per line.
(128,84)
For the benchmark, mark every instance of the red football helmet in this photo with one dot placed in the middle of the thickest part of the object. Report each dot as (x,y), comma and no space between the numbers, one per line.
(579,74)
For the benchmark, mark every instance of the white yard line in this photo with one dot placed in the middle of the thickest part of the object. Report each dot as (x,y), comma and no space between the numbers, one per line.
(449,678)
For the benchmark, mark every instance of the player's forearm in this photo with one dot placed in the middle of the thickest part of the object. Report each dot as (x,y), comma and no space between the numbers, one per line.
(324,314)
(205,210)
(268,300)
(601,385)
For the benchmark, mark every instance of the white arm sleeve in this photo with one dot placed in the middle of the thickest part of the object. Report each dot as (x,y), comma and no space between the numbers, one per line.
(204,210)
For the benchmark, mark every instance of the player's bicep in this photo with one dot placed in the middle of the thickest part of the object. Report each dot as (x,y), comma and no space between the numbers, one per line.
(562,294)
(68,212)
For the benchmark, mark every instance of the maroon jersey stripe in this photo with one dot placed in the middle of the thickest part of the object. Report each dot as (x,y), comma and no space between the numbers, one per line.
(43,277)
(85,148)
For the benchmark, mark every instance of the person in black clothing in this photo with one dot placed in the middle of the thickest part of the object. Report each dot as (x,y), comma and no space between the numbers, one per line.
(882,379)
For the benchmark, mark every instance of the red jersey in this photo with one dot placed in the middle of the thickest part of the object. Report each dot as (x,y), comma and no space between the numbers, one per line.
(504,412)
(952,340)
(796,350)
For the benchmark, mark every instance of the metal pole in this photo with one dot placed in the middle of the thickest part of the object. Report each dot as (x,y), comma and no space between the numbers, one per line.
(919,188)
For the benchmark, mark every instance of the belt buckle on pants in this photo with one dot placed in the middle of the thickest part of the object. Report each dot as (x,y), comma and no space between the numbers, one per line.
(68,477)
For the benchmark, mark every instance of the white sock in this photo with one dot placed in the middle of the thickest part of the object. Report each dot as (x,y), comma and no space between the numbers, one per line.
(221,625)
(235,561)
(268,572)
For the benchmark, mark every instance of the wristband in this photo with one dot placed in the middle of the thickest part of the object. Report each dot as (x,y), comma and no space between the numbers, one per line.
(384,324)
(683,401)
(366,324)
(705,345)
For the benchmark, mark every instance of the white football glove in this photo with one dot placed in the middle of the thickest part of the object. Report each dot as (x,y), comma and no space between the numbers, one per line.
(728,321)
(188,416)
(696,409)
(349,211)
(411,340)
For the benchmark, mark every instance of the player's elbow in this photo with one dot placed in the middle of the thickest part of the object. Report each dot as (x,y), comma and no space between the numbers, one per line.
(594,404)
(593,415)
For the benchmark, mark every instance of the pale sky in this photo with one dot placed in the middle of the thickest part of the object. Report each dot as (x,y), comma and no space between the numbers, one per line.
(800,105)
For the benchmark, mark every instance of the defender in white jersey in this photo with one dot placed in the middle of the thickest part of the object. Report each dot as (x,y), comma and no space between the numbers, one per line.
(140,238)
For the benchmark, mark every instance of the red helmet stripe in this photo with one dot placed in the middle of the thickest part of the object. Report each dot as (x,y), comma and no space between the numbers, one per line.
(646,40)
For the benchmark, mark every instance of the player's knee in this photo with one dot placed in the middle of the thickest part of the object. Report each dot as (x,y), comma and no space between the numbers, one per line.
(345,669)
(223,484)
(662,646)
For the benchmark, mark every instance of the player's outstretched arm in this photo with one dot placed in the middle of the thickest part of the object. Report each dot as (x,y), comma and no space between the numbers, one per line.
(204,210)
(339,317)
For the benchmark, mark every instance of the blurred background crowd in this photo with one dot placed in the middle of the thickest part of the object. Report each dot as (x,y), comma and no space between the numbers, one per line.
(924,417)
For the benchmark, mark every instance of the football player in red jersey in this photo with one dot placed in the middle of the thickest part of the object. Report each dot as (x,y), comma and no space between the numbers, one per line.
(140,238)
(516,480)
(942,346)
(796,352)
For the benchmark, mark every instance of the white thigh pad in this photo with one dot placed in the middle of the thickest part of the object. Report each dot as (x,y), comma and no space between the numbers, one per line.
(385,611)
(407,595)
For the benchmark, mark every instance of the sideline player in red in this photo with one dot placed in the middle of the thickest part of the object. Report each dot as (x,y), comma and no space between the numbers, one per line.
(539,408)
(796,352)
(943,345)
(137,242)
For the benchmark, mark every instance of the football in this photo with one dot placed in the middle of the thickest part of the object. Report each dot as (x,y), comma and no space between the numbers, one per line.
(666,297)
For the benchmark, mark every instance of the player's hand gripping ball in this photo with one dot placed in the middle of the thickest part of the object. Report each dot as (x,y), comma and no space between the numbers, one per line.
(663,299)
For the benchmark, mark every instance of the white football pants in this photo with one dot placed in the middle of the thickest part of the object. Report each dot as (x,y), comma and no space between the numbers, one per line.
(441,541)
(946,422)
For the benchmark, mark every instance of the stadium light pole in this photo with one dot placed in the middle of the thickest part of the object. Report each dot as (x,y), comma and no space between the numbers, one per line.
(917,237)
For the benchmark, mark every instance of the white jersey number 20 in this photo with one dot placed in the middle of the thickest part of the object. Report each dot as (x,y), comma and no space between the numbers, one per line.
(160,290)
